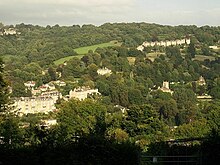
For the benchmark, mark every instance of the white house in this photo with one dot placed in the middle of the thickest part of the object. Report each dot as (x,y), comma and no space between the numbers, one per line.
(48,123)
(213,47)
(104,71)
(162,43)
(173,43)
(180,42)
(55,94)
(9,31)
(30,84)
(141,48)
(168,43)
(157,43)
(82,93)
(165,87)
(146,44)
(59,83)
(152,43)
(187,41)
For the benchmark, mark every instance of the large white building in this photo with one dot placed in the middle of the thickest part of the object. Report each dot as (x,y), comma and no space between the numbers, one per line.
(9,31)
(82,93)
(43,103)
(25,105)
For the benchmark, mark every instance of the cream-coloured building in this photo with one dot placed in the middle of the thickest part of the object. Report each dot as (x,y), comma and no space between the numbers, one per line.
(173,43)
(157,43)
(25,105)
(43,103)
(30,84)
(213,47)
(180,42)
(187,41)
(168,43)
(164,43)
(165,87)
(53,94)
(104,71)
(141,48)
(48,123)
(47,87)
(201,81)
(59,83)
(10,31)
(152,43)
(146,44)
(82,93)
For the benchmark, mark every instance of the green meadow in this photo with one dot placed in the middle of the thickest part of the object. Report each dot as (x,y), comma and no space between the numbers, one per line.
(83,50)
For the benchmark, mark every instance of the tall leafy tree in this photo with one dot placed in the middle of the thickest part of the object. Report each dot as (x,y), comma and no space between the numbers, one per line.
(191,50)
(77,118)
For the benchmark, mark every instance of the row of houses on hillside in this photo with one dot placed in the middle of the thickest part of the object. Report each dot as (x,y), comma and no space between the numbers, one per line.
(44,101)
(164,43)
(44,98)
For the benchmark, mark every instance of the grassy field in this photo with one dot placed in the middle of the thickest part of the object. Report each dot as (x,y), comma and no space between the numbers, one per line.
(83,50)
(62,60)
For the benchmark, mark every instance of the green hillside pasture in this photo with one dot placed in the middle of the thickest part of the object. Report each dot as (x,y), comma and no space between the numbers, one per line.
(62,60)
(84,50)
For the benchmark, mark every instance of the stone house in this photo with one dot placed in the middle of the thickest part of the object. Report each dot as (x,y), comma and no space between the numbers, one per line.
(10,31)
(25,105)
(141,48)
(82,93)
(165,87)
(104,71)
(173,43)
(168,43)
(187,41)
(30,84)
(201,81)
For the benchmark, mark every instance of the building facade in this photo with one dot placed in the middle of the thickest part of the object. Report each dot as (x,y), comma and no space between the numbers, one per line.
(164,43)
(82,93)
(25,105)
